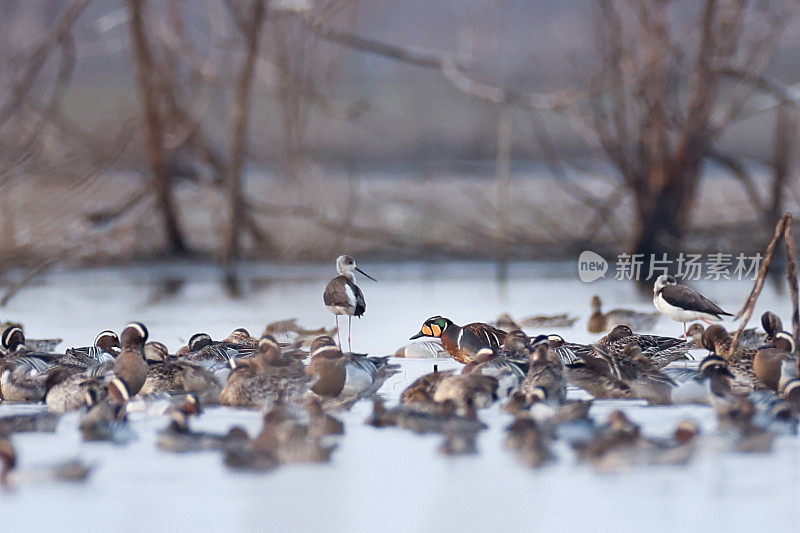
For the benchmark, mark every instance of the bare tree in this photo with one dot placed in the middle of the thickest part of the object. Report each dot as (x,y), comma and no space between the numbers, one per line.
(251,27)
(784,156)
(663,96)
(154,126)
(658,109)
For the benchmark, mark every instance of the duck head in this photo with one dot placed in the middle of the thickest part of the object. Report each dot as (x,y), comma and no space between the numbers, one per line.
(686,432)
(620,332)
(269,351)
(325,346)
(198,341)
(515,341)
(714,337)
(134,334)
(13,338)
(238,336)
(714,365)
(784,342)
(156,352)
(771,323)
(433,327)
(108,341)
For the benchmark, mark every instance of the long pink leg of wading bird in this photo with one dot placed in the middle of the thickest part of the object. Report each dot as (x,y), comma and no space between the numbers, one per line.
(349,328)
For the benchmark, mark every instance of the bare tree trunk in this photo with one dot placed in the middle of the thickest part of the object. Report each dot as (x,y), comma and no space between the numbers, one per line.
(783,157)
(239,112)
(504,142)
(290,58)
(155,152)
(663,215)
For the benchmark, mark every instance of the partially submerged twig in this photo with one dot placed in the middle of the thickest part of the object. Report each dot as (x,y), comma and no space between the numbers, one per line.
(782,229)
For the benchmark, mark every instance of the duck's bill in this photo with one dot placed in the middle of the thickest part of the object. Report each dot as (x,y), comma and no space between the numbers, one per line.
(417,336)
(365,274)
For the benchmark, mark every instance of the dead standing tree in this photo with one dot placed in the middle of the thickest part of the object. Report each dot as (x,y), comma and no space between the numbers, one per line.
(154,126)
(660,107)
(177,79)
(250,25)
(188,73)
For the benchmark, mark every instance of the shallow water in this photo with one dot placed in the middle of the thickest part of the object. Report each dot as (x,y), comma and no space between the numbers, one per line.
(379,479)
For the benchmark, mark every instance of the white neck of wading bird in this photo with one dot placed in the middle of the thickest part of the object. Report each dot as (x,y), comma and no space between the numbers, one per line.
(662,281)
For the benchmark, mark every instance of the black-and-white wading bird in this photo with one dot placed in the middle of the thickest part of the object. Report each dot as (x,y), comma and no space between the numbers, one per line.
(343,297)
(684,304)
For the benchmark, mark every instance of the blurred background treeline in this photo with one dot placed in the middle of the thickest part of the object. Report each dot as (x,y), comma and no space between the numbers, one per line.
(293,130)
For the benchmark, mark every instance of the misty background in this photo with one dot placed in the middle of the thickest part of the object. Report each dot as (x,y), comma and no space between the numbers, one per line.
(295,130)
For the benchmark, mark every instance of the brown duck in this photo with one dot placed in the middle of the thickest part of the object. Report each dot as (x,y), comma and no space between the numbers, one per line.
(717,340)
(599,321)
(545,372)
(345,374)
(267,375)
(769,359)
(130,365)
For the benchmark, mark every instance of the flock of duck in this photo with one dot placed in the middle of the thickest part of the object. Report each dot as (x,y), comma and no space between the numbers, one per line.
(301,378)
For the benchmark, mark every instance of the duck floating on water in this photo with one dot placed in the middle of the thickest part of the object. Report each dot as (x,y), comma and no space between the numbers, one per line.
(600,322)
(461,342)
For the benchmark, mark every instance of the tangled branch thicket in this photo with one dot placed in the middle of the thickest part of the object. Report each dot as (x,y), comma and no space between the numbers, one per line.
(212,80)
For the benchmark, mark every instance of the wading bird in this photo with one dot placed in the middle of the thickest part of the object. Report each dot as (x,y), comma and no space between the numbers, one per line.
(343,297)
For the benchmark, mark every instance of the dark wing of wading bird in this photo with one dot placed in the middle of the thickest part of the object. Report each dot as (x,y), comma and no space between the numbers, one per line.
(684,304)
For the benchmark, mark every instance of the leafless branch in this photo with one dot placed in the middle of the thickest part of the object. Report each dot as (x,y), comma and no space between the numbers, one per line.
(154,126)
(238,126)
(740,172)
(26,279)
(38,58)
(451,69)
(770,86)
